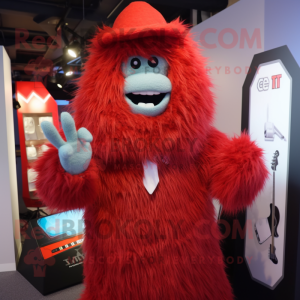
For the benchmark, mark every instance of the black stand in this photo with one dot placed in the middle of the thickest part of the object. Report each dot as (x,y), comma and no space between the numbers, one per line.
(54,273)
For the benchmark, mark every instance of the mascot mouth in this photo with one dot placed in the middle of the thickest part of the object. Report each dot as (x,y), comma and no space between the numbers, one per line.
(146,99)
(147,94)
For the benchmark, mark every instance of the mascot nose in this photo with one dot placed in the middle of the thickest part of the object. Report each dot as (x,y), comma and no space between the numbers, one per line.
(147,82)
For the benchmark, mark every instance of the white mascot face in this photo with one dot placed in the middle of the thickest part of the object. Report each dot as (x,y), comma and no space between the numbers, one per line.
(42,119)
(147,88)
(31,152)
(29,125)
(31,174)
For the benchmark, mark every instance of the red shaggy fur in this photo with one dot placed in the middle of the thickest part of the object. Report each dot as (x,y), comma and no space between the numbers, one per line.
(164,245)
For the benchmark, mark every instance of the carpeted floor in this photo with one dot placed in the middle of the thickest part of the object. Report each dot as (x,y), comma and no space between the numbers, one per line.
(13,286)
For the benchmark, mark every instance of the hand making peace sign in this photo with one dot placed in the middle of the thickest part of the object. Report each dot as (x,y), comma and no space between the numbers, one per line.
(75,153)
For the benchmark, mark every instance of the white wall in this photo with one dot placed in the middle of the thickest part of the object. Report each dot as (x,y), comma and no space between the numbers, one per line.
(282,24)
(240,18)
(10,247)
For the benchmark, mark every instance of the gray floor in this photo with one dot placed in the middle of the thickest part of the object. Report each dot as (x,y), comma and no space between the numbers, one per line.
(13,286)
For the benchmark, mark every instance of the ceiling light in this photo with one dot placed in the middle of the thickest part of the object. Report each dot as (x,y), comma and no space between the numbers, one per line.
(60,80)
(72,53)
(68,70)
(74,49)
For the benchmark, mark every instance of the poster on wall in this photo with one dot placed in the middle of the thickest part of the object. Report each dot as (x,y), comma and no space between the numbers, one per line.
(268,98)
(269,123)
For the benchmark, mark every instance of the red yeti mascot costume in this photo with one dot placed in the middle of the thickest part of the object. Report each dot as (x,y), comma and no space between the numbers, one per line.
(155,167)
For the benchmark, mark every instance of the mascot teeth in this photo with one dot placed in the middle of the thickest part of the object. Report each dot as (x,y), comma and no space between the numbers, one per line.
(147,99)
(145,104)
(146,93)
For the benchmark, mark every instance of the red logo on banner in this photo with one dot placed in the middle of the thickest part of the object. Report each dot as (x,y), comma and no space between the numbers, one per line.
(276,81)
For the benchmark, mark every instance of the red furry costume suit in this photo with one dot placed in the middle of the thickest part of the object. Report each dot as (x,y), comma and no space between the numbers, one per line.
(140,245)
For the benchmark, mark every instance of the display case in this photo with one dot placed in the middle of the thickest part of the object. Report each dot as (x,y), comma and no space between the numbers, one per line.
(37,106)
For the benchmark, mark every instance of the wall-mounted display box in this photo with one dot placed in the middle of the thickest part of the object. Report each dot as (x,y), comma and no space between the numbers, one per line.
(37,105)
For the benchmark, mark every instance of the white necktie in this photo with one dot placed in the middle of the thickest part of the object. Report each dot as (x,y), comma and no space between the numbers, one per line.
(151,178)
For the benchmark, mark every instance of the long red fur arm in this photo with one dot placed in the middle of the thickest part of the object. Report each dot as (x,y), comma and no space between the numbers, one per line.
(62,191)
(238,171)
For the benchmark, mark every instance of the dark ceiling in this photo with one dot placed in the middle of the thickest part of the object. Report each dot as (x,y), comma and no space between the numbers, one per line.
(35,21)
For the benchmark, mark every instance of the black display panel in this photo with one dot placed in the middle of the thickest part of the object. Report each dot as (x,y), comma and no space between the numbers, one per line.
(270,247)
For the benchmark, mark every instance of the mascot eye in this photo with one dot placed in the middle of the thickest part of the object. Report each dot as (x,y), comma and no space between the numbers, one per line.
(135,63)
(153,62)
